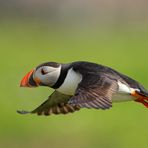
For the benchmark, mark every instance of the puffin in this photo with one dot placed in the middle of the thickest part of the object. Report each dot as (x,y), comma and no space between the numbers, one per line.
(82,84)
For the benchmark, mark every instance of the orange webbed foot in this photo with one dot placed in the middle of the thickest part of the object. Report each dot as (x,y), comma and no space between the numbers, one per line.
(140,98)
(143,101)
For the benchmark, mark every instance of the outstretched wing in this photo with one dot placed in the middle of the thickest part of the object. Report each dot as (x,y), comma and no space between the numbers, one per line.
(95,92)
(55,104)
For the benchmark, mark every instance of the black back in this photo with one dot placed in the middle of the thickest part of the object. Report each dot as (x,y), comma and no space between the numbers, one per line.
(92,68)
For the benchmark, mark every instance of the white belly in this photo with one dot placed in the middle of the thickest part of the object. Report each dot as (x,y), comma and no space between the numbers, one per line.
(70,83)
(121,97)
(124,93)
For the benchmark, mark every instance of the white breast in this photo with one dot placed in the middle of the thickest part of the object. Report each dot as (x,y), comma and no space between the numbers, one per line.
(70,83)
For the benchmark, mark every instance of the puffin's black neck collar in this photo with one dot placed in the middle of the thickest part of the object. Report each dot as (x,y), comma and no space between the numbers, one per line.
(63,74)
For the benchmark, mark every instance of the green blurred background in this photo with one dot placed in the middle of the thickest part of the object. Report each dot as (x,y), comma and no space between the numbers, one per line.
(113,33)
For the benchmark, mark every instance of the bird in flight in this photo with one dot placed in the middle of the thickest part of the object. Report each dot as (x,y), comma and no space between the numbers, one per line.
(82,84)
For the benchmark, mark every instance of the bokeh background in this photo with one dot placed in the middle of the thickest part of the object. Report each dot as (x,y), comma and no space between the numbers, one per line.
(113,33)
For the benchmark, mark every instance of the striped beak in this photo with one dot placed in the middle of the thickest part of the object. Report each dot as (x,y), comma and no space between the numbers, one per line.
(28,80)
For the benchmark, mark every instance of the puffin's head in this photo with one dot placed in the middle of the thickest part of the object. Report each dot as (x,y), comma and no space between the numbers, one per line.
(45,74)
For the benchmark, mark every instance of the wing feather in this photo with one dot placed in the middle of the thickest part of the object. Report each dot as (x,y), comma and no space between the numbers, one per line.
(97,95)
(55,104)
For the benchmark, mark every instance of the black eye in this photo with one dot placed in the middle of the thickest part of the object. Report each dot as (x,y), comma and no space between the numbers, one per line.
(43,72)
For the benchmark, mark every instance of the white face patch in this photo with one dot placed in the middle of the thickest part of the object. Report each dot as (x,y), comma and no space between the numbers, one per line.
(48,75)
(70,83)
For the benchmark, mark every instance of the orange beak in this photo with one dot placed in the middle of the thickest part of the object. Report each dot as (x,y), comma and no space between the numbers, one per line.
(28,81)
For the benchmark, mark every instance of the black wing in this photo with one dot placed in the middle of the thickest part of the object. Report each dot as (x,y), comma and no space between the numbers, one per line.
(95,91)
(55,104)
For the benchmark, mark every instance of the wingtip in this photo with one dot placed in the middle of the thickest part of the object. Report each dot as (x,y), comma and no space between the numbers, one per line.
(23,112)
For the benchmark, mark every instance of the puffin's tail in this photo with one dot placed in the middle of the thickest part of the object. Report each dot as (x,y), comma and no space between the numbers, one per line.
(141,98)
